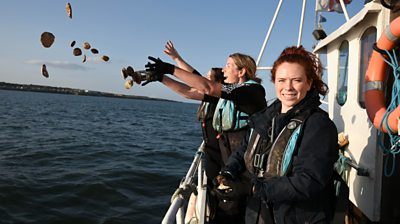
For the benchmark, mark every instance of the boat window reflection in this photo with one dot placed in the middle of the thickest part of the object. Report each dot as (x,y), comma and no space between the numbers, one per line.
(341,95)
(367,40)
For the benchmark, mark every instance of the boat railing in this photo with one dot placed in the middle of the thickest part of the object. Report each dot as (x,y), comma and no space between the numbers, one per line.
(179,201)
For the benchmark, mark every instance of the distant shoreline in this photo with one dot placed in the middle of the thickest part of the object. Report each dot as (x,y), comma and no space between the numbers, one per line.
(71,91)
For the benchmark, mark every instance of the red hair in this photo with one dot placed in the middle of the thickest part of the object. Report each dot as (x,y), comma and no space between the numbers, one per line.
(309,61)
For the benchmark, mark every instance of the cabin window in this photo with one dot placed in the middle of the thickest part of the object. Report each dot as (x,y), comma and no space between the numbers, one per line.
(341,95)
(367,40)
(323,59)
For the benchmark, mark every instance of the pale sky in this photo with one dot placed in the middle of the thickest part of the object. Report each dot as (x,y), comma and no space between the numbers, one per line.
(128,31)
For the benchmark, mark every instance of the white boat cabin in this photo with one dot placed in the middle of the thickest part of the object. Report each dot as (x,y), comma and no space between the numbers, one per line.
(348,50)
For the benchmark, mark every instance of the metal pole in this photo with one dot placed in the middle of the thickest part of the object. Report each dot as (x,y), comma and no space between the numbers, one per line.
(169,217)
(316,24)
(269,32)
(344,10)
(201,192)
(303,10)
(180,214)
(264,68)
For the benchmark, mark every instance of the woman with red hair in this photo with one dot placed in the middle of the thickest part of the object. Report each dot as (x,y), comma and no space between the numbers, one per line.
(290,149)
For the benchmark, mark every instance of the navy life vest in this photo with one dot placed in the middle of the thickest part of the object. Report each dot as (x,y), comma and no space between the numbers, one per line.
(268,158)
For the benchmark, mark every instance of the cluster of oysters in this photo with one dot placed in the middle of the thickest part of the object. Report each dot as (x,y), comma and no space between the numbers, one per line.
(136,76)
(47,39)
(86,46)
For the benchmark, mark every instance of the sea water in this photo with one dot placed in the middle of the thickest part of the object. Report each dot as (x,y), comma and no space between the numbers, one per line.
(85,159)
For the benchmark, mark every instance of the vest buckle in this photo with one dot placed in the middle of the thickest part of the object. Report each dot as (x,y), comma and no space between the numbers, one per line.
(258,161)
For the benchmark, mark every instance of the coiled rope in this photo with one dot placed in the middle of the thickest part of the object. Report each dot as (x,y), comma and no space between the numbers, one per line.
(394,103)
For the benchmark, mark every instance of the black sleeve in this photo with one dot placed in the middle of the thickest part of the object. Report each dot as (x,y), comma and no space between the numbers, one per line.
(210,99)
(250,98)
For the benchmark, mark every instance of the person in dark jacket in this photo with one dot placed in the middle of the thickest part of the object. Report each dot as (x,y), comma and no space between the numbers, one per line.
(205,111)
(240,95)
(291,148)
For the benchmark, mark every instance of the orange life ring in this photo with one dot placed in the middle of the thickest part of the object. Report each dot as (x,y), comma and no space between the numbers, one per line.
(374,78)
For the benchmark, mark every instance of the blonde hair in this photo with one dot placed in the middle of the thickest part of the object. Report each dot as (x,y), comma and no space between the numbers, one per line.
(248,63)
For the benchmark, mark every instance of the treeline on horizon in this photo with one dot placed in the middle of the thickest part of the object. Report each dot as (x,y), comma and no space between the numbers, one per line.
(71,91)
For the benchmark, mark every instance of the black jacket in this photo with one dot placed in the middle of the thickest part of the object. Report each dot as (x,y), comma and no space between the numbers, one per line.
(305,194)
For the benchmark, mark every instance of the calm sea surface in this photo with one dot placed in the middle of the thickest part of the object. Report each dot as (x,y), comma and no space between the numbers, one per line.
(82,159)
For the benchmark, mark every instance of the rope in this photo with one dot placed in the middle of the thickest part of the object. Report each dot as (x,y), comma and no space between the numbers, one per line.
(184,192)
(341,167)
(394,103)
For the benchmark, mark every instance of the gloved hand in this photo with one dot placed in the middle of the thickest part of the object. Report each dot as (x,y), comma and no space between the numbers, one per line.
(159,67)
(152,77)
(225,187)
(223,180)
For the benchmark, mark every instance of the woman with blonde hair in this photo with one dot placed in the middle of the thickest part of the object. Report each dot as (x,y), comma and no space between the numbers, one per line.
(241,95)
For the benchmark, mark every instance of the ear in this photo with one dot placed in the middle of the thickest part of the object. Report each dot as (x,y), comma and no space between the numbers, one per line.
(242,73)
(310,82)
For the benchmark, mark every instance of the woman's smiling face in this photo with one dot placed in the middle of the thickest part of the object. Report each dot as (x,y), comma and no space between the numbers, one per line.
(291,84)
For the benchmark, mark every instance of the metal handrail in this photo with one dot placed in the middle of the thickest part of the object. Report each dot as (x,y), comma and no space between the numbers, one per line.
(175,213)
(201,193)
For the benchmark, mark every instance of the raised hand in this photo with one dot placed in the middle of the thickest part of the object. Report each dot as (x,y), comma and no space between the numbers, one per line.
(159,67)
(171,51)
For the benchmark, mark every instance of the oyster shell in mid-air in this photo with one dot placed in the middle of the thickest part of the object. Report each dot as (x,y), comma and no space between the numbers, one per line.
(124,73)
(136,78)
(86,45)
(77,51)
(105,58)
(68,8)
(47,39)
(94,51)
(128,84)
(45,73)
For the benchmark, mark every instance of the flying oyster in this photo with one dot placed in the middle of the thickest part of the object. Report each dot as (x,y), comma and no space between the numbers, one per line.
(136,77)
(124,72)
(94,51)
(45,73)
(69,10)
(86,45)
(47,39)
(77,51)
(105,58)
(128,84)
